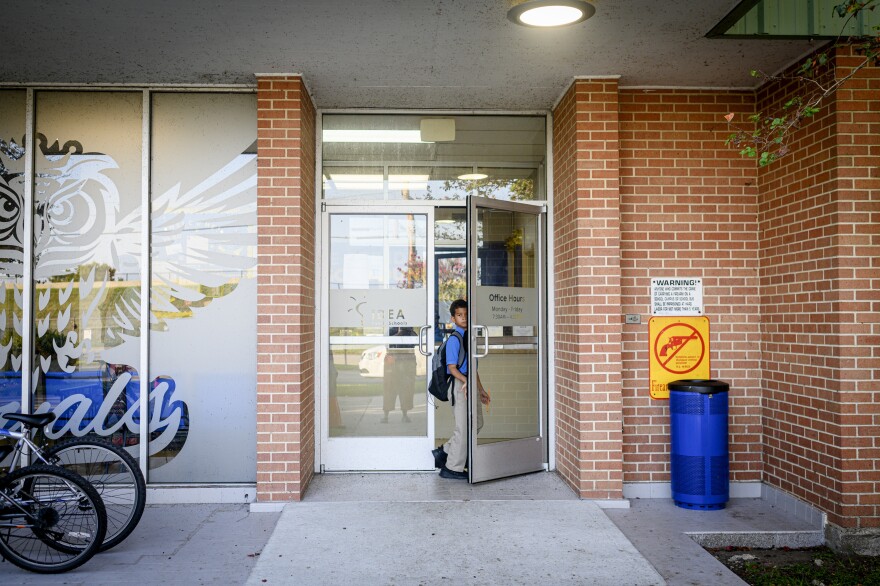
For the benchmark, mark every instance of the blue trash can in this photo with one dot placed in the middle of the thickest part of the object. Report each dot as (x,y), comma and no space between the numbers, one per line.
(700,458)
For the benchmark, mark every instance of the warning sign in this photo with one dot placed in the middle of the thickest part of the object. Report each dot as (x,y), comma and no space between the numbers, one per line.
(679,349)
(673,296)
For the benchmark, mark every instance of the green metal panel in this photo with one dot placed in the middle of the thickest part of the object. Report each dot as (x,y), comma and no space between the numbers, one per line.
(792,19)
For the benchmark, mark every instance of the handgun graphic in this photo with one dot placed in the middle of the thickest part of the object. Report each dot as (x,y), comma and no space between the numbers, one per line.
(675,342)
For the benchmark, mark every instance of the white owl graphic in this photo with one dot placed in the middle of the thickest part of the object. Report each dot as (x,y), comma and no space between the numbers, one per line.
(87,265)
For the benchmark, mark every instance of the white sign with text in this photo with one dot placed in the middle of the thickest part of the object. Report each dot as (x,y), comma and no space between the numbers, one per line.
(677,296)
(507,306)
(383,308)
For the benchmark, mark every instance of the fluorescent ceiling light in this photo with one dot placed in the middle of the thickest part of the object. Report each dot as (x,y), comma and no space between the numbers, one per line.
(473,176)
(411,182)
(351,182)
(372,136)
(551,13)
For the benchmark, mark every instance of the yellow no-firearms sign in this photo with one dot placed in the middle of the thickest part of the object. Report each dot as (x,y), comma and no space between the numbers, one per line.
(678,349)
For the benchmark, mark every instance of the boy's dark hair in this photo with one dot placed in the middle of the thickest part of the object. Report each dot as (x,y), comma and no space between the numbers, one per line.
(457,304)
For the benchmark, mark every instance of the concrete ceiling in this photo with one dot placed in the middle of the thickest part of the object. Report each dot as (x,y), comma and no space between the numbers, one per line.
(455,54)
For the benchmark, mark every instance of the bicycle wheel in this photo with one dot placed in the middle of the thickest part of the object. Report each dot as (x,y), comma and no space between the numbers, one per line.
(114,474)
(51,520)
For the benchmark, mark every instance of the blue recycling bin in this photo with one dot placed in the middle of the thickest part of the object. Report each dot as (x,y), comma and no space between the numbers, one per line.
(700,457)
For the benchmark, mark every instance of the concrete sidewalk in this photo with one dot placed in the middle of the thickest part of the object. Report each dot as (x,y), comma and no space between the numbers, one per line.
(421,529)
(172,544)
(379,529)
(450,542)
(672,538)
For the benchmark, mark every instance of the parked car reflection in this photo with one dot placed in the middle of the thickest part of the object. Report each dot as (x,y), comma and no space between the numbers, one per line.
(372,362)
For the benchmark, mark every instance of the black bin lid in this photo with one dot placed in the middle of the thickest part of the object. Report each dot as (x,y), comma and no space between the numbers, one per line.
(705,387)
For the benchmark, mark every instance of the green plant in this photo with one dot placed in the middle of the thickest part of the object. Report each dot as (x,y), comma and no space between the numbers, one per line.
(801,567)
(768,139)
(518,189)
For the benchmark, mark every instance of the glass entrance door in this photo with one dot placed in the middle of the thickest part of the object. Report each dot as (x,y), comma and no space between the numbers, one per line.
(505,329)
(374,411)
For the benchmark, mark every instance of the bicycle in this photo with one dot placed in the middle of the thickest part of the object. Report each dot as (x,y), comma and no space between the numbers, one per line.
(51,519)
(110,469)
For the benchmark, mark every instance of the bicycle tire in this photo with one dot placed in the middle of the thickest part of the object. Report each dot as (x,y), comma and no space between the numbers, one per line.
(62,525)
(115,475)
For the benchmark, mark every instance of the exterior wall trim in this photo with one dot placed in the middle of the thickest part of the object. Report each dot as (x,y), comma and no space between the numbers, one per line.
(177,494)
(689,88)
(103,86)
(663,490)
(550,285)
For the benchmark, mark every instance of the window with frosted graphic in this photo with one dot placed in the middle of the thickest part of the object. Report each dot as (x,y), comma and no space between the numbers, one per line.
(12,152)
(203,291)
(87,278)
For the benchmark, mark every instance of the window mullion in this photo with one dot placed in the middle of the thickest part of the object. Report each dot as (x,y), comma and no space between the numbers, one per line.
(145,290)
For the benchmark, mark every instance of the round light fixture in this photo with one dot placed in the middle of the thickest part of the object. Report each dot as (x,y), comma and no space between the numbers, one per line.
(473,176)
(551,13)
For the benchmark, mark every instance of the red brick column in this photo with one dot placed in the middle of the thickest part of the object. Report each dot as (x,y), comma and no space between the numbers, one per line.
(586,212)
(285,288)
(820,278)
(857,242)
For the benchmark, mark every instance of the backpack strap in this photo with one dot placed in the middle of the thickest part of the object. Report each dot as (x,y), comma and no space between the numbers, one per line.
(462,350)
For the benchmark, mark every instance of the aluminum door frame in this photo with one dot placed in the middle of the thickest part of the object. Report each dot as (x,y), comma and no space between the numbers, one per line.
(517,456)
(362,449)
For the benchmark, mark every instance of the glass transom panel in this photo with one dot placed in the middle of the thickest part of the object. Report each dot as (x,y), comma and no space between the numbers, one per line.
(370,157)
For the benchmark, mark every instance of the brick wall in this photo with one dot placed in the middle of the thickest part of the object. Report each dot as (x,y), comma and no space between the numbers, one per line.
(285,288)
(820,277)
(858,246)
(586,212)
(689,209)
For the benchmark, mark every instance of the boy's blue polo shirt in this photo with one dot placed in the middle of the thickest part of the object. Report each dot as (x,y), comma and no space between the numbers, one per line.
(452,348)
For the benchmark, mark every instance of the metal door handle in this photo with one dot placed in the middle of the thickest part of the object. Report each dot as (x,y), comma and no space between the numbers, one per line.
(485,334)
(423,346)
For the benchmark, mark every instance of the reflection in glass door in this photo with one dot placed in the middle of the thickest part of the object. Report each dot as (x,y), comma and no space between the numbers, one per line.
(505,330)
(375,414)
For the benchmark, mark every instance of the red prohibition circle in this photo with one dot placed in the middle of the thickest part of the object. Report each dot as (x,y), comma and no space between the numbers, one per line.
(702,349)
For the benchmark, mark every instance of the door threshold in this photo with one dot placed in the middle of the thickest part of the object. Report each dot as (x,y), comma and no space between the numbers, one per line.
(428,486)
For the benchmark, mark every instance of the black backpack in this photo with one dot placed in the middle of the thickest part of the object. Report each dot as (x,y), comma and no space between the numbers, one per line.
(440,379)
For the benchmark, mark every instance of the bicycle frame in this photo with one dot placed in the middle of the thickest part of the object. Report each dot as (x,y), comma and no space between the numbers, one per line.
(23,444)
(12,515)
(21,441)
(13,503)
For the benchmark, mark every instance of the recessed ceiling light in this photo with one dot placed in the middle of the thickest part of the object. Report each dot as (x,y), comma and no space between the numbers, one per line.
(390,136)
(473,176)
(551,13)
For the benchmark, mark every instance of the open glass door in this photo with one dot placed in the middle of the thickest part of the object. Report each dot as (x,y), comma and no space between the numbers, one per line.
(506,330)
(374,410)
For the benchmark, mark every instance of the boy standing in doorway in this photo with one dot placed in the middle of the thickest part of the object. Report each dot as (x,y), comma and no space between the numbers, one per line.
(452,456)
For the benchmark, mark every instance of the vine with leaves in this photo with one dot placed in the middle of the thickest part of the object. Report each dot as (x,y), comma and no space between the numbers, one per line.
(768,140)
